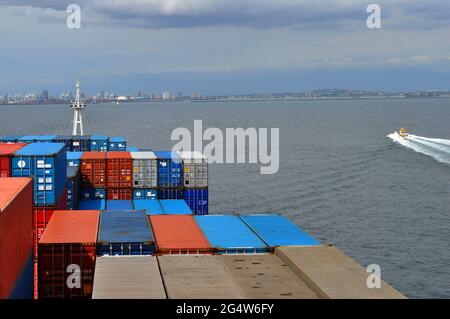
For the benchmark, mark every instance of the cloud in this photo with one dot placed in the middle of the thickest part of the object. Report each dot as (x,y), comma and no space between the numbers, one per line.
(250,13)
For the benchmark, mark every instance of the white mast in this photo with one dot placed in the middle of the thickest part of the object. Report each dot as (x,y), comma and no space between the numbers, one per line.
(78,106)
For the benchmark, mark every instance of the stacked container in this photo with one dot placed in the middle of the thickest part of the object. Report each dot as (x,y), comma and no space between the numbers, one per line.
(93,172)
(6,153)
(99,143)
(16,209)
(46,162)
(68,246)
(66,140)
(81,143)
(74,158)
(9,138)
(117,143)
(145,175)
(195,180)
(119,183)
(125,233)
(170,167)
(73,187)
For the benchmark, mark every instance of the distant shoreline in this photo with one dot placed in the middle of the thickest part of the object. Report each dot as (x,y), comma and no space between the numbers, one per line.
(243,100)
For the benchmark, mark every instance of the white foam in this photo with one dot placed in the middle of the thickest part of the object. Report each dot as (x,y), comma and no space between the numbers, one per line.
(439,149)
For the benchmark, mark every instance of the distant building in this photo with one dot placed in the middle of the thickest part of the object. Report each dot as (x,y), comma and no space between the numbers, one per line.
(166,96)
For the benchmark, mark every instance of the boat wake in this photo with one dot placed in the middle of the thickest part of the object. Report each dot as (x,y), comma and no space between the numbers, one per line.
(437,148)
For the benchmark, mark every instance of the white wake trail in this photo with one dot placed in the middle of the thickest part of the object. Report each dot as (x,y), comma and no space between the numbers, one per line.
(440,151)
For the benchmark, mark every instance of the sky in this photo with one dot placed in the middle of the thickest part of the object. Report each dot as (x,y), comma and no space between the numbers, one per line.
(218,47)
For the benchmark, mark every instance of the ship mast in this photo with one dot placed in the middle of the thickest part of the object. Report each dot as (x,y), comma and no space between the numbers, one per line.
(78,106)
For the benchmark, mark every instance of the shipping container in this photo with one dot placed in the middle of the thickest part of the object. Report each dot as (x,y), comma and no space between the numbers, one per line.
(170,193)
(197,277)
(178,234)
(93,193)
(119,194)
(16,229)
(195,169)
(145,170)
(175,207)
(99,143)
(68,245)
(119,205)
(23,288)
(125,233)
(74,158)
(81,143)
(170,169)
(41,218)
(73,187)
(119,167)
(46,138)
(93,170)
(197,199)
(7,151)
(332,274)
(46,163)
(265,276)
(145,193)
(127,277)
(66,140)
(132,149)
(96,204)
(117,143)
(28,138)
(230,235)
(150,206)
(9,138)
(276,230)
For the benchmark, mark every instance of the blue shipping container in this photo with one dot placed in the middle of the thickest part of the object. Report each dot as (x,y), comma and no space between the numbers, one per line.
(197,199)
(175,207)
(230,235)
(170,169)
(25,283)
(276,230)
(46,162)
(45,138)
(170,193)
(96,204)
(27,138)
(150,206)
(66,139)
(73,187)
(99,143)
(145,193)
(10,138)
(81,143)
(125,233)
(74,158)
(117,143)
(93,193)
(119,205)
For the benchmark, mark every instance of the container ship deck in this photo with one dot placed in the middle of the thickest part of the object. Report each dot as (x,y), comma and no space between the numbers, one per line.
(90,217)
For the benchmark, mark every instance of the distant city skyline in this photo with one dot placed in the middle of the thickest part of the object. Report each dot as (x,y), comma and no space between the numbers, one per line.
(224,47)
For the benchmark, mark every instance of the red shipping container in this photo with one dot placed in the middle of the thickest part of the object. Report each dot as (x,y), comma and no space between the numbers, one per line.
(67,255)
(7,150)
(179,234)
(119,194)
(93,170)
(16,230)
(119,170)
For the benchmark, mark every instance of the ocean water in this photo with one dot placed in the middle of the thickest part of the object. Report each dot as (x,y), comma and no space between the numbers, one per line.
(341,177)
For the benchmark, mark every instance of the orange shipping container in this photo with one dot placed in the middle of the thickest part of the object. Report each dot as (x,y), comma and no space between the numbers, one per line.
(67,245)
(16,230)
(178,234)
(119,166)
(93,170)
